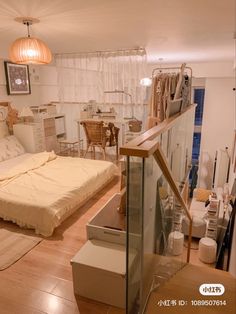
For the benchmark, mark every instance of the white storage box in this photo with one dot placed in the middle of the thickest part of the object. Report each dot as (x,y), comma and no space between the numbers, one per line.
(99,272)
(106,223)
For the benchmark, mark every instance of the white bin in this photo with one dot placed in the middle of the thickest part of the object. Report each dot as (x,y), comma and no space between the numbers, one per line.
(207,250)
(99,272)
(176,243)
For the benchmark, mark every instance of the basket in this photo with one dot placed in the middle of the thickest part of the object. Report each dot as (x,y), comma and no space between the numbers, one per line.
(135,125)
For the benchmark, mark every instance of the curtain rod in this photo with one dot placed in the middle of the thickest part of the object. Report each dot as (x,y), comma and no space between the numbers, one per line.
(101,51)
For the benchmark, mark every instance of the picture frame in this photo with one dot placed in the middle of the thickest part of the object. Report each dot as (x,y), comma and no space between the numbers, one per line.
(17,78)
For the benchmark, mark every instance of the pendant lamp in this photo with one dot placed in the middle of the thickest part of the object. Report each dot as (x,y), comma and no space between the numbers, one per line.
(29,50)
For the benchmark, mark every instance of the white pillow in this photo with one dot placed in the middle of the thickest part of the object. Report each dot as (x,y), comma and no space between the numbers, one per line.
(3,129)
(10,147)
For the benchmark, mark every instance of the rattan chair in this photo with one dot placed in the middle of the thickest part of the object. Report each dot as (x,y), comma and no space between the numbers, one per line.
(100,135)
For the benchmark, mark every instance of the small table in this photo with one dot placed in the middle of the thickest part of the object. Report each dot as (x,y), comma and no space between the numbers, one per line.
(70,146)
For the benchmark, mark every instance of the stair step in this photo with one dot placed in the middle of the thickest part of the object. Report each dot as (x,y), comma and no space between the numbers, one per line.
(184,285)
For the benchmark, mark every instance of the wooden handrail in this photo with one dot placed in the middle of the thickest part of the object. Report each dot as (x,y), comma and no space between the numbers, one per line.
(137,146)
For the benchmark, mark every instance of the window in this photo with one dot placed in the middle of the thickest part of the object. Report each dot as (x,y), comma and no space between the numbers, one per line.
(198,96)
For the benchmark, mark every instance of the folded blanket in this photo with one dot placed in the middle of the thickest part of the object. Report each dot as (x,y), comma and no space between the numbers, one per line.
(33,162)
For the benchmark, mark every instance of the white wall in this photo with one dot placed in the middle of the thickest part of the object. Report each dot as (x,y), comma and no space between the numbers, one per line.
(19,101)
(43,81)
(48,84)
(218,124)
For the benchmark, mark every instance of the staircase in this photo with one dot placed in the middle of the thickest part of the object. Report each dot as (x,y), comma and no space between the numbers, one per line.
(180,294)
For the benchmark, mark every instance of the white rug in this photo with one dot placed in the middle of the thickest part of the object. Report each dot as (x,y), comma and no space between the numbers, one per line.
(13,246)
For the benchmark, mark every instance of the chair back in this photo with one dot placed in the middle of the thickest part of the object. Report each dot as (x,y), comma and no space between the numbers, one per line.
(93,131)
(114,134)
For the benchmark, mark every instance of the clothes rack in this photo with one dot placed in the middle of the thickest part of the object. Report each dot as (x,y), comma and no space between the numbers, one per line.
(171,92)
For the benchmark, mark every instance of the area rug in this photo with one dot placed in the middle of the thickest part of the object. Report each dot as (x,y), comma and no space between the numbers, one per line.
(13,246)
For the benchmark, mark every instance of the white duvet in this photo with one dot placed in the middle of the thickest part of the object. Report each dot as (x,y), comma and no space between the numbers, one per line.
(43,189)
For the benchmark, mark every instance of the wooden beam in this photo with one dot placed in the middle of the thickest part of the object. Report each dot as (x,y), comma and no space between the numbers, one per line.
(144,150)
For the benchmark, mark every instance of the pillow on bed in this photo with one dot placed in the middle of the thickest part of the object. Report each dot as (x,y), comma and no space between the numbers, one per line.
(3,129)
(10,147)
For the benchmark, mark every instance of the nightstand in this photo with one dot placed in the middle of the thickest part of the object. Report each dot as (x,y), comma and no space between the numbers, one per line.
(31,136)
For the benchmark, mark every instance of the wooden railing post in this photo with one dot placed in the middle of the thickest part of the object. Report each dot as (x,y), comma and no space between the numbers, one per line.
(162,163)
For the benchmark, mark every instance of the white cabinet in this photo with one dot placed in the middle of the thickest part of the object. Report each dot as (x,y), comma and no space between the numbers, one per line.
(101,264)
(50,134)
(54,129)
(41,135)
(60,125)
(212,218)
(31,136)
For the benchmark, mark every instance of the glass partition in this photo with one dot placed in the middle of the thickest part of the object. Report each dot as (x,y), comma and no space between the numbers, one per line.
(134,227)
(156,247)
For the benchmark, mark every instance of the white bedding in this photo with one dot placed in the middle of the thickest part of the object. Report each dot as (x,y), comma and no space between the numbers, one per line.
(6,165)
(40,190)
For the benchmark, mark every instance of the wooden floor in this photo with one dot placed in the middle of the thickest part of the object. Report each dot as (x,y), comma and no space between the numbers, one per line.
(41,281)
(180,294)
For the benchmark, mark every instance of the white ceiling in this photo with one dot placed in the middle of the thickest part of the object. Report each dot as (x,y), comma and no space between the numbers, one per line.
(175,30)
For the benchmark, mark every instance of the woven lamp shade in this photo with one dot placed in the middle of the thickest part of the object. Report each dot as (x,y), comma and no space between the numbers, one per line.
(30,50)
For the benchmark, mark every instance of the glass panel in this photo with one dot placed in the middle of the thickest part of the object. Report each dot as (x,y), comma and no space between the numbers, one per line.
(163,241)
(180,148)
(135,168)
(156,247)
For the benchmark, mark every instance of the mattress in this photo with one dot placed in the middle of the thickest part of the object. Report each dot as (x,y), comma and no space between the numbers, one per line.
(40,190)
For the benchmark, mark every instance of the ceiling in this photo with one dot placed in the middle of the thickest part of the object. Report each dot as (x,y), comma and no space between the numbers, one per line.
(175,30)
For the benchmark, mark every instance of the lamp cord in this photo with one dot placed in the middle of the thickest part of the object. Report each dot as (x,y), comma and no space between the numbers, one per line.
(27,23)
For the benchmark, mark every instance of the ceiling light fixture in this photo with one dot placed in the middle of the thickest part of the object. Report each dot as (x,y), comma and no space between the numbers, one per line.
(29,50)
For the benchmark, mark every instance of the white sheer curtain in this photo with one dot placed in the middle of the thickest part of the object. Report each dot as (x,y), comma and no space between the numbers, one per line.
(86,76)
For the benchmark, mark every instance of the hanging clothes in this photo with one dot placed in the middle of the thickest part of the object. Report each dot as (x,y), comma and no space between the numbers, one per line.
(163,90)
(168,89)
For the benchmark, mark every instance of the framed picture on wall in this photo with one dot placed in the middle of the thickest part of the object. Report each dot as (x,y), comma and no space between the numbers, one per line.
(17,78)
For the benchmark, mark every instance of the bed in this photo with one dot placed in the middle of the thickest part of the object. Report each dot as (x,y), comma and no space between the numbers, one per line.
(41,190)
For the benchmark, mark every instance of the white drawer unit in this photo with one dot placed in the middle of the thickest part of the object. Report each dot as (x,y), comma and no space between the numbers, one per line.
(60,125)
(50,134)
(31,136)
